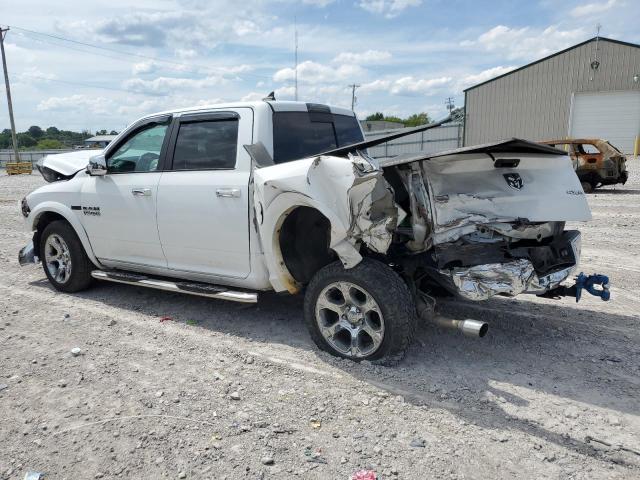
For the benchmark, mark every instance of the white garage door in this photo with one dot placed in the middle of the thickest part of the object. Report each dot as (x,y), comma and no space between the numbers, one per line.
(613,116)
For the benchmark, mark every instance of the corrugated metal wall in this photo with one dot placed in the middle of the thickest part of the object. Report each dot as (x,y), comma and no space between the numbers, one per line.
(435,140)
(535,103)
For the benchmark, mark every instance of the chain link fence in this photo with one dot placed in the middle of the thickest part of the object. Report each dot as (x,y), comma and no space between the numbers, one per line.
(27,156)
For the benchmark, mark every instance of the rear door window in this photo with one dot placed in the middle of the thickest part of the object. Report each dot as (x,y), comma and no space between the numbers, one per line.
(206,145)
(298,135)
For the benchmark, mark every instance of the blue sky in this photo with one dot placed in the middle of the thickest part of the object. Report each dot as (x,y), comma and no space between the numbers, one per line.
(407,55)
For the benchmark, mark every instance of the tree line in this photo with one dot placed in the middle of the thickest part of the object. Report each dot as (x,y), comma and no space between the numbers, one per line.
(411,121)
(51,138)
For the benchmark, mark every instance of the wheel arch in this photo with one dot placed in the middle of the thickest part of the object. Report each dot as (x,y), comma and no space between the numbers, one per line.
(271,228)
(304,237)
(48,212)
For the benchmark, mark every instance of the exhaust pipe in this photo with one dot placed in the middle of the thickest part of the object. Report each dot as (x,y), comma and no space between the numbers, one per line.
(469,327)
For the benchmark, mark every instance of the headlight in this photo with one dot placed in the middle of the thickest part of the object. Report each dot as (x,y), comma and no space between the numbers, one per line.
(25,207)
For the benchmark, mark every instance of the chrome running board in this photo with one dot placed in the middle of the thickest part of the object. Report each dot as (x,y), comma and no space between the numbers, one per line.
(192,288)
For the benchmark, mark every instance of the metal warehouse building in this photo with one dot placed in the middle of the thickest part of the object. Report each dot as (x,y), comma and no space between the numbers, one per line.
(589,90)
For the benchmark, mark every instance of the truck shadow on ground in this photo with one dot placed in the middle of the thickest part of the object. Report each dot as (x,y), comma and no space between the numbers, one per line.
(615,191)
(532,350)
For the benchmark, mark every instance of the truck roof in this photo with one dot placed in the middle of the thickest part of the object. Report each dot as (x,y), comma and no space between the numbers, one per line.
(275,105)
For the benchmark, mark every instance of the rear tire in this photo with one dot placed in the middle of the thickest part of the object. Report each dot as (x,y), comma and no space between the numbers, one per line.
(587,187)
(363,313)
(64,260)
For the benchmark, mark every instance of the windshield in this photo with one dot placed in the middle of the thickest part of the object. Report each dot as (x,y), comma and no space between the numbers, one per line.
(299,135)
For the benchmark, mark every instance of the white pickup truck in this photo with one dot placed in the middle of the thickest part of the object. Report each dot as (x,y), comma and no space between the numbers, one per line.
(230,200)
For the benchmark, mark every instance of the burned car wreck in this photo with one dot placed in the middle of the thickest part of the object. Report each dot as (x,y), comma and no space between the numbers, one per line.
(369,242)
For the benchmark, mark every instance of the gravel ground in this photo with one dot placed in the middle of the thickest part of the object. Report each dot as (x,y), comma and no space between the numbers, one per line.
(224,390)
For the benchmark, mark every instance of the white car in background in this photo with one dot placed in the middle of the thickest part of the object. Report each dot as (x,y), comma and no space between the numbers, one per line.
(231,200)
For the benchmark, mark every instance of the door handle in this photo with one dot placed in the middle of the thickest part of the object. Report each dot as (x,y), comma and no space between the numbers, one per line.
(228,192)
(141,192)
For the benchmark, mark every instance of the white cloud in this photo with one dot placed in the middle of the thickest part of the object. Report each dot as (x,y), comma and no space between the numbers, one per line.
(318,3)
(408,86)
(526,43)
(314,73)
(147,66)
(593,8)
(253,97)
(483,76)
(167,85)
(90,103)
(370,57)
(388,8)
(245,27)
(186,53)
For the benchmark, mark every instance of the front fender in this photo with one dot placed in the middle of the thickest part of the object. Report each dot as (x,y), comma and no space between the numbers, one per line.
(70,216)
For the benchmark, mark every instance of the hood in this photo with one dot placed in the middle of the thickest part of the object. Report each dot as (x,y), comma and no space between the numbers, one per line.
(69,163)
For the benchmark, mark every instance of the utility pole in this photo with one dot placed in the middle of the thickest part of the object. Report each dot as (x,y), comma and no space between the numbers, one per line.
(295,23)
(449,103)
(3,33)
(353,94)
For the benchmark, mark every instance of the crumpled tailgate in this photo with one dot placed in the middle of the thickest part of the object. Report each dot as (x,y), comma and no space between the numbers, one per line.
(468,189)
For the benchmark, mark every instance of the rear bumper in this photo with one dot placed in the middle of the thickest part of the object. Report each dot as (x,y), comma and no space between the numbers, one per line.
(512,278)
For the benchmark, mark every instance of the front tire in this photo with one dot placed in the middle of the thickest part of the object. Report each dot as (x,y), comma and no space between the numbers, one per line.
(64,260)
(363,313)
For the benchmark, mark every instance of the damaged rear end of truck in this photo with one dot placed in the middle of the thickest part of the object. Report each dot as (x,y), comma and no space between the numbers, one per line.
(472,222)
(487,220)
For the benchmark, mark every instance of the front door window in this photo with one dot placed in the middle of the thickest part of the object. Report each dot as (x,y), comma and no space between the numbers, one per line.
(140,153)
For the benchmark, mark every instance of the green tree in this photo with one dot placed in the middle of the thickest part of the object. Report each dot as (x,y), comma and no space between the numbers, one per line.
(101,132)
(392,118)
(53,132)
(417,119)
(25,140)
(113,132)
(375,116)
(49,144)
(35,131)
(5,140)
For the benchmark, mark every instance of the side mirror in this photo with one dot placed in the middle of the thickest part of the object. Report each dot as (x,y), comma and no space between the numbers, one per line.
(97,166)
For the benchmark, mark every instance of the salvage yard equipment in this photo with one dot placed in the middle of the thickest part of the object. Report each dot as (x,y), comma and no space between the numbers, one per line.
(16,168)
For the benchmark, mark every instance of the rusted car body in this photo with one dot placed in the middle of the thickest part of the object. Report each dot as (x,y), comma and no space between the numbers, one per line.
(595,161)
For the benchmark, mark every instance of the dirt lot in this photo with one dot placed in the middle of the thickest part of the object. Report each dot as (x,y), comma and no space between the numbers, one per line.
(224,390)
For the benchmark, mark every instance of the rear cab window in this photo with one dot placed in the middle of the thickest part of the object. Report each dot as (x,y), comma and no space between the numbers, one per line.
(298,134)
(206,145)
(206,141)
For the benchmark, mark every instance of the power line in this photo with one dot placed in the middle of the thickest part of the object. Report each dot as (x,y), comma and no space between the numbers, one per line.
(137,55)
(100,87)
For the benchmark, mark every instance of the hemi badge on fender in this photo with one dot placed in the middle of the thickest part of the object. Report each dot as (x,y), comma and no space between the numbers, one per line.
(76,207)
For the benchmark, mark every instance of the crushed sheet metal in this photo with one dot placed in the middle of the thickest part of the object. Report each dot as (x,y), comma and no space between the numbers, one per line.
(482,282)
(373,214)
(454,183)
(352,193)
